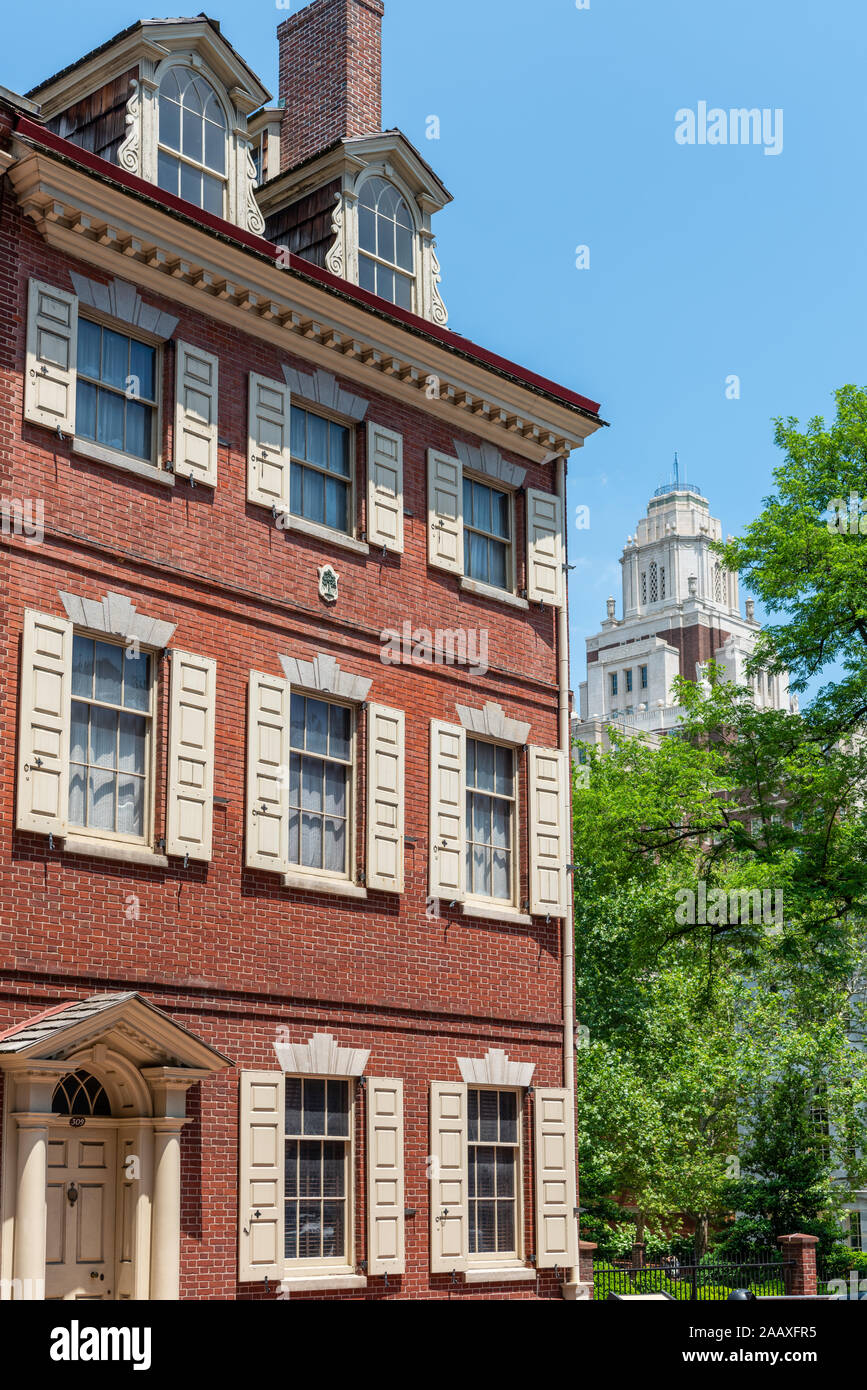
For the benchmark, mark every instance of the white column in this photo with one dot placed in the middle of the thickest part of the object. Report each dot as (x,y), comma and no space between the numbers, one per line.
(166,1210)
(30,1209)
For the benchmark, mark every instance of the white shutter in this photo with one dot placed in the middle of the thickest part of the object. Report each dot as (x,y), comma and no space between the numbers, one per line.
(195,442)
(384,487)
(385,1243)
(445,519)
(555,1181)
(43,731)
(449,1178)
(261,1134)
(268,454)
(268,774)
(545,576)
(447,809)
(192,715)
(52,348)
(386,751)
(549,832)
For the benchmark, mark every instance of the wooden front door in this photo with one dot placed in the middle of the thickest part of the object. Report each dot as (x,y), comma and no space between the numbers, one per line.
(80,1193)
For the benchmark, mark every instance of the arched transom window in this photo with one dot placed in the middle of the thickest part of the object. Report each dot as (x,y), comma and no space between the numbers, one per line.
(79,1093)
(386,243)
(192,140)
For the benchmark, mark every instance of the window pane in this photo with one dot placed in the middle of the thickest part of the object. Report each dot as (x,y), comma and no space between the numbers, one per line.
(142,366)
(115,358)
(191,184)
(488,1117)
(481,871)
(471,762)
(293,1105)
(473,1118)
(136,681)
(385,239)
(478,557)
(295,483)
(103,737)
(299,433)
(310,1170)
(313,506)
(500,514)
(317,440)
(481,831)
(482,507)
(485,1240)
(109,671)
(403,292)
(311,841)
(100,800)
(500,824)
(366,229)
(505,1226)
(297,721)
(291,1167)
(215,147)
(332,1170)
(340,730)
(131,744)
(82,666)
(311,784)
(78,733)
(212,196)
(338,1109)
(138,430)
(294,830)
(339,450)
(170,124)
(130,805)
(192,135)
(88,348)
(501,886)
(335,790)
(497,560)
(314,1108)
(336,500)
(404,248)
(508,1117)
(167,172)
(76,796)
(317,726)
(109,430)
(385,283)
(505,771)
(333,1229)
(367,274)
(335,846)
(85,410)
(485,762)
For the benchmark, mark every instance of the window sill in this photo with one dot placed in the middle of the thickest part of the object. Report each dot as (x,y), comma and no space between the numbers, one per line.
(338,887)
(314,1283)
(101,454)
(324,533)
(114,850)
(496,914)
(506,1274)
(475,586)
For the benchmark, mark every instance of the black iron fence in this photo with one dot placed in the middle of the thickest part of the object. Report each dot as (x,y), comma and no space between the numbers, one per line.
(712,1280)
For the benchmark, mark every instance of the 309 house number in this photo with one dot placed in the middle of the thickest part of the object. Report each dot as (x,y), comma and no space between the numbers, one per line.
(76,1121)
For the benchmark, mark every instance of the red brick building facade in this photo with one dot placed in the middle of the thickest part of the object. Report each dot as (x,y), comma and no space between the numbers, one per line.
(284,1008)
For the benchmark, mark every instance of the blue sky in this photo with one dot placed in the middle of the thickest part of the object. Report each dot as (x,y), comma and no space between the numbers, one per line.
(557,129)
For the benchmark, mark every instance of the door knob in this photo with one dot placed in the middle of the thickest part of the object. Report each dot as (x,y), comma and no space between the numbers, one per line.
(72,1194)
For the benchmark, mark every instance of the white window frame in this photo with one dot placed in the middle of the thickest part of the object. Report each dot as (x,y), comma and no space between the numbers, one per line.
(198,70)
(87,832)
(320,877)
(388,176)
(478,899)
(506,1258)
(511,567)
(301,523)
(104,453)
(346,1261)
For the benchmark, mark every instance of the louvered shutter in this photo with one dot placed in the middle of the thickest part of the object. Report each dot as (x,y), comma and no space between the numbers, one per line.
(545,576)
(548,832)
(386,746)
(52,349)
(447,810)
(268,773)
(268,453)
(195,442)
(555,1180)
(385,1238)
(449,1177)
(261,1217)
(192,715)
(445,521)
(384,487)
(43,730)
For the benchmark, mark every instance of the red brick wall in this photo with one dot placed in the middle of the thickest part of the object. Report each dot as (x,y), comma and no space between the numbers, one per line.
(232,954)
(330,75)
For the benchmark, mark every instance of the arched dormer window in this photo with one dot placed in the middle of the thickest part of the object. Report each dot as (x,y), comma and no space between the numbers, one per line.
(386,243)
(192,140)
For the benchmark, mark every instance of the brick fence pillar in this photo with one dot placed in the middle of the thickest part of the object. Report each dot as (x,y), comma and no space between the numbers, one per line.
(586,1250)
(799,1267)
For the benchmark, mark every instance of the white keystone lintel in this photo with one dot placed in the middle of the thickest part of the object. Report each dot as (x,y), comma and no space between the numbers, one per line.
(491,722)
(487,459)
(323,389)
(116,616)
(123,302)
(321,1056)
(496,1069)
(323,675)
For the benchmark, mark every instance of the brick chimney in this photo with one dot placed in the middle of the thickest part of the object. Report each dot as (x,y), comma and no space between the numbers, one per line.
(330,75)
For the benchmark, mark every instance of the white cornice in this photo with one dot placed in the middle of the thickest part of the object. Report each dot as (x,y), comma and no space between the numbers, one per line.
(98,222)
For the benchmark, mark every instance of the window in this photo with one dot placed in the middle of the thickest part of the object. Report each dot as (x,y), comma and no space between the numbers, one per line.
(662,582)
(643,670)
(629,682)
(490,820)
(321,487)
(386,243)
(718,583)
(192,140)
(494,1149)
(614,683)
(318,1167)
(79,1093)
(110,738)
(644,586)
(487,534)
(320,786)
(855,1239)
(819,1118)
(116,401)
(654,583)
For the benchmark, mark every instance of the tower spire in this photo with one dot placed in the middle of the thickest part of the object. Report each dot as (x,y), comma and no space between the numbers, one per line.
(676,472)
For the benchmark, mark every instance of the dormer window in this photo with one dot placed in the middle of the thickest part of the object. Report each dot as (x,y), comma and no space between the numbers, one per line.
(386,243)
(192,140)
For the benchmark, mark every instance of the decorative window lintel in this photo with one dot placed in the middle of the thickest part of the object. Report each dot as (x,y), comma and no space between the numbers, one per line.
(321,388)
(492,722)
(121,301)
(489,461)
(115,616)
(321,1056)
(496,1069)
(324,676)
